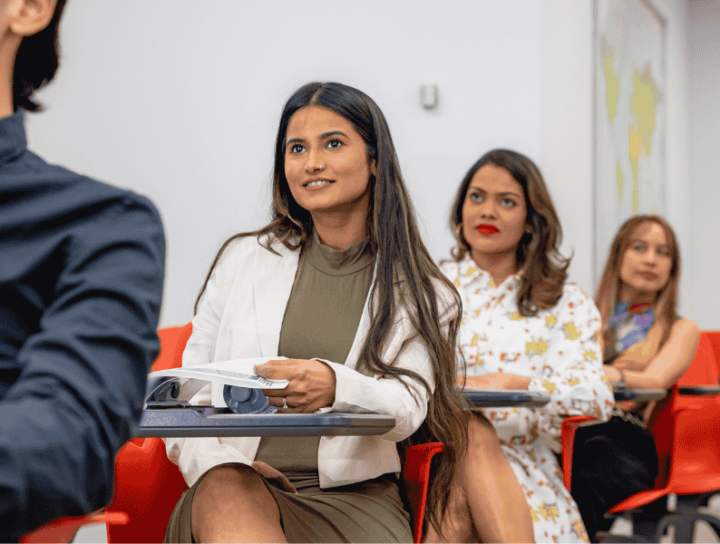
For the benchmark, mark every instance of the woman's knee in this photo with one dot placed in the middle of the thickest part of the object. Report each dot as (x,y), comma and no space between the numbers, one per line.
(482,436)
(224,491)
(229,488)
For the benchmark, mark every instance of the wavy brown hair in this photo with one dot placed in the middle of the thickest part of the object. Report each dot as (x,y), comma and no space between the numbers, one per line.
(36,62)
(609,290)
(400,254)
(543,270)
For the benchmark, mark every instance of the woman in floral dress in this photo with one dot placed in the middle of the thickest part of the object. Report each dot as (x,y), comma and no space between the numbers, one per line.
(524,327)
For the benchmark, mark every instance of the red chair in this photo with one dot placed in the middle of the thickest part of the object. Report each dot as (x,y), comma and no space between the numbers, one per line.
(714,338)
(686,428)
(416,476)
(148,485)
(63,530)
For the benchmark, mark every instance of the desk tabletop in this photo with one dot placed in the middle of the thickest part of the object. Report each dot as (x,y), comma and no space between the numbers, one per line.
(205,421)
(699,390)
(639,395)
(495,398)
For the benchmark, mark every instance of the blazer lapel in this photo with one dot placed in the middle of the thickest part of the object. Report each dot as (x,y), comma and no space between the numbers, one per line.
(273,278)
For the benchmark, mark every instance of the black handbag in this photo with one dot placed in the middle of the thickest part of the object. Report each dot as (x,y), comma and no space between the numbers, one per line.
(611,461)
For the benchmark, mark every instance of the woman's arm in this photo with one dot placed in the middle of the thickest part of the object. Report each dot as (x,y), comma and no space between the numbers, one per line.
(571,371)
(497,380)
(667,366)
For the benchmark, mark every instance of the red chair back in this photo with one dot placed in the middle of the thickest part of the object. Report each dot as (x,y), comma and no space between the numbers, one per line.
(686,429)
(416,475)
(147,484)
(713,338)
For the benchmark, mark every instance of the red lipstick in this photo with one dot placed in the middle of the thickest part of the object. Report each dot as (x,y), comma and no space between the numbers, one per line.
(487,229)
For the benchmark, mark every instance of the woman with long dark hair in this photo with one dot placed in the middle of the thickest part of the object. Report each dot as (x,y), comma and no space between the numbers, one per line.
(524,327)
(341,284)
(646,346)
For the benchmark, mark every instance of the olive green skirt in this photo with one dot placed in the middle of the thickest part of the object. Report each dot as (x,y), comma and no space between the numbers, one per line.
(370,511)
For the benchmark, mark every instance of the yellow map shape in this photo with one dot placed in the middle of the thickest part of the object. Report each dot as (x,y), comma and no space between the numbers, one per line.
(644,98)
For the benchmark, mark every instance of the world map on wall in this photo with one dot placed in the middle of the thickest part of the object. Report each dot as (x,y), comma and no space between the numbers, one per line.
(629,117)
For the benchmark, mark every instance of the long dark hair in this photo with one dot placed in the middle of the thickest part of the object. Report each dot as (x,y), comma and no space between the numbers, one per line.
(400,255)
(609,288)
(36,62)
(543,270)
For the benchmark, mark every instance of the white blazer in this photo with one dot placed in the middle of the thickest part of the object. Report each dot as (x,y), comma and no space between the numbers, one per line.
(240,315)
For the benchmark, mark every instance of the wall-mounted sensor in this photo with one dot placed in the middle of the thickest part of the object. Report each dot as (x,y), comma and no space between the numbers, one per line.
(429,96)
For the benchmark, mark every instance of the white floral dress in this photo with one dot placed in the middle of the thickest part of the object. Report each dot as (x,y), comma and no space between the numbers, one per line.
(559,350)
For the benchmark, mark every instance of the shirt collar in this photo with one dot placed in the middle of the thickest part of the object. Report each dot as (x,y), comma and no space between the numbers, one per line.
(12,137)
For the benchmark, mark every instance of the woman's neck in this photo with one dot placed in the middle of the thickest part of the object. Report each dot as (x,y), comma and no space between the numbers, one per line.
(340,231)
(500,265)
(635,298)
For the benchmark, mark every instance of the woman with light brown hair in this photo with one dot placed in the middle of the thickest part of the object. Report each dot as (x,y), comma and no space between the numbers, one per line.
(646,346)
(524,327)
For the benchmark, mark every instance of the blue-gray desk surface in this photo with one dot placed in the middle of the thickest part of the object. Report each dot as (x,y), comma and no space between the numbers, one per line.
(495,398)
(639,395)
(207,421)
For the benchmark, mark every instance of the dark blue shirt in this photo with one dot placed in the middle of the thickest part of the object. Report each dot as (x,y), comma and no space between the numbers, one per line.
(81,276)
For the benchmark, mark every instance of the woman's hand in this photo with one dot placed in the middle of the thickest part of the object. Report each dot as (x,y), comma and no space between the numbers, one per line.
(612,374)
(273,475)
(498,380)
(311,387)
(629,364)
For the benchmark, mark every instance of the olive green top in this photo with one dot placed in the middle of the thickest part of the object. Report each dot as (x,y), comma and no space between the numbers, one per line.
(320,322)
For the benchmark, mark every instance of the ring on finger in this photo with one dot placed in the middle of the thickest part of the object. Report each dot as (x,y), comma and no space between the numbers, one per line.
(285,404)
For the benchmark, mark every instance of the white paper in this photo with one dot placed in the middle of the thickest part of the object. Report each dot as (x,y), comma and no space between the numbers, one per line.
(234,372)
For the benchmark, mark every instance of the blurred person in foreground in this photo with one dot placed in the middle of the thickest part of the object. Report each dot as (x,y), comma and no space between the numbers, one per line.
(81,276)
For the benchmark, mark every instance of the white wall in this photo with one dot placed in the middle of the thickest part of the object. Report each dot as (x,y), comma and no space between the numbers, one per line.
(180,99)
(704,159)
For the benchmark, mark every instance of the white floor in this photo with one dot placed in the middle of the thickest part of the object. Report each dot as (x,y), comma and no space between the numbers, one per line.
(703,533)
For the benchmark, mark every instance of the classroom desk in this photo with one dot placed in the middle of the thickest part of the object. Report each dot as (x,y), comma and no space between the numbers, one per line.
(639,395)
(699,390)
(496,398)
(204,421)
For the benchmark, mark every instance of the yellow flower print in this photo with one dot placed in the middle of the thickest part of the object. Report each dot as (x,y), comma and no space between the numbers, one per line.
(515,316)
(571,333)
(534,515)
(550,320)
(457,283)
(477,312)
(589,356)
(550,386)
(549,511)
(573,381)
(474,341)
(470,271)
(538,347)
(579,529)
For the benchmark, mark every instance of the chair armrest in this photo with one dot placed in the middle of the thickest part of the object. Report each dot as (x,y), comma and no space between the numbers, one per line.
(416,475)
(567,438)
(64,529)
(699,390)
